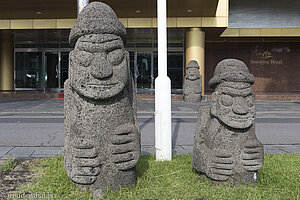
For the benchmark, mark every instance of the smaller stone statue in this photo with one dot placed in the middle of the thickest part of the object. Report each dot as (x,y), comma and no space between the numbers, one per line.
(192,87)
(225,145)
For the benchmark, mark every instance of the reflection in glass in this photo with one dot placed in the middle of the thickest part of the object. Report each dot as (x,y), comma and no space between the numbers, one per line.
(51,69)
(29,70)
(143,70)
(175,69)
(131,60)
(64,66)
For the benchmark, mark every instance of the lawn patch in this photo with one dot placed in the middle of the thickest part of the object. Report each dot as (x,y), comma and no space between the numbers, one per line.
(278,179)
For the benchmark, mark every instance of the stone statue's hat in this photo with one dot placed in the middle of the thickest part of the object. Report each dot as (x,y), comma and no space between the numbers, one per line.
(231,70)
(192,64)
(97,18)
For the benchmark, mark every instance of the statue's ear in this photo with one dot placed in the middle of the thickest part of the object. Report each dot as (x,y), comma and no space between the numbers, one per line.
(213,107)
(71,66)
(126,55)
(130,81)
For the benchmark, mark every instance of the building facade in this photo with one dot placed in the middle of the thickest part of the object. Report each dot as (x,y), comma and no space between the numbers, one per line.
(265,35)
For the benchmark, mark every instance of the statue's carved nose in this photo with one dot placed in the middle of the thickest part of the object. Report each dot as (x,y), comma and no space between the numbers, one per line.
(100,68)
(239,106)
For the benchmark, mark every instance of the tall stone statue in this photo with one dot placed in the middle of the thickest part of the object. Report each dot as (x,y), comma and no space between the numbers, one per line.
(225,145)
(192,87)
(102,138)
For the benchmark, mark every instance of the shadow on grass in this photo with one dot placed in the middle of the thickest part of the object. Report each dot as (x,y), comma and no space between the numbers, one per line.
(143,165)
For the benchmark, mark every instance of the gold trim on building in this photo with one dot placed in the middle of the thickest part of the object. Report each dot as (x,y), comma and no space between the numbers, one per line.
(21,24)
(222,8)
(65,23)
(44,24)
(174,22)
(261,32)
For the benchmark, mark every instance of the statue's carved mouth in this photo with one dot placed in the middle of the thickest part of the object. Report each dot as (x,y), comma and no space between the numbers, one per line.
(102,85)
(241,117)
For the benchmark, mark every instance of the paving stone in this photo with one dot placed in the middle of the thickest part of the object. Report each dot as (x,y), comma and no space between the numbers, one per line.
(47,151)
(289,148)
(44,152)
(4,150)
(146,150)
(182,149)
(20,152)
(270,149)
(42,156)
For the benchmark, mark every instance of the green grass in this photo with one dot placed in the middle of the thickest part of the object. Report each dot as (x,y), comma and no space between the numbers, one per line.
(9,164)
(278,179)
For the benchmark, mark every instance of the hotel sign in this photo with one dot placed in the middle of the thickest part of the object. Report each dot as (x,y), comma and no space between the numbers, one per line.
(265,58)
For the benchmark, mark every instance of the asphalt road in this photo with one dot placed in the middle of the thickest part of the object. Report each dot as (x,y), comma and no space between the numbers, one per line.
(40,122)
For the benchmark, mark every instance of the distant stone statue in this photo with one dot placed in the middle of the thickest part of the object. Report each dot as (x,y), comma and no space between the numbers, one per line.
(225,145)
(192,87)
(102,138)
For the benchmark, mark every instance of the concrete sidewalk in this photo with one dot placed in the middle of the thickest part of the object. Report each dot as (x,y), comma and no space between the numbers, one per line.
(24,153)
(47,113)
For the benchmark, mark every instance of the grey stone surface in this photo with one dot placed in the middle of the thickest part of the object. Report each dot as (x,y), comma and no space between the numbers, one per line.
(271,149)
(182,149)
(192,87)
(226,147)
(19,153)
(102,137)
(47,151)
(4,150)
(97,18)
(289,148)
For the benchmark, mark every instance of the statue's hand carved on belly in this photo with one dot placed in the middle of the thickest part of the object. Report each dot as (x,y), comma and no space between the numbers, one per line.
(252,155)
(86,164)
(125,146)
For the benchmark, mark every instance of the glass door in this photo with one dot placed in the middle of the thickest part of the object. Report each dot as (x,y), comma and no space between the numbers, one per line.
(52,70)
(28,70)
(64,66)
(143,72)
(41,70)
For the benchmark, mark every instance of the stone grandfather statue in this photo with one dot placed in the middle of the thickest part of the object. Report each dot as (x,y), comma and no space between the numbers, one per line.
(102,138)
(192,88)
(225,145)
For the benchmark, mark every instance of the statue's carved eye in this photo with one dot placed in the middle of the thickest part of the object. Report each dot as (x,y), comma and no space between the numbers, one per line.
(84,58)
(249,100)
(226,100)
(116,56)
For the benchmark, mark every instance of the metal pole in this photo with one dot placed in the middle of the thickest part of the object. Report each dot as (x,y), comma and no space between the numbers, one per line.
(163,134)
(81,4)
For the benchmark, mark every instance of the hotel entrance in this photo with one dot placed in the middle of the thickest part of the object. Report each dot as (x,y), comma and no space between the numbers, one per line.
(40,70)
(41,58)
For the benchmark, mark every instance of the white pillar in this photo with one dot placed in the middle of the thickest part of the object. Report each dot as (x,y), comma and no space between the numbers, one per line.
(163,134)
(81,4)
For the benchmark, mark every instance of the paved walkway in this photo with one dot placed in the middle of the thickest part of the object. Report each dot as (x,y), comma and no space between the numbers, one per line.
(15,112)
(44,152)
